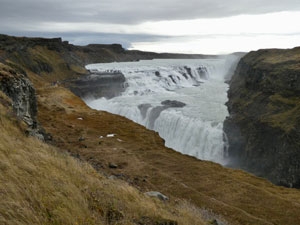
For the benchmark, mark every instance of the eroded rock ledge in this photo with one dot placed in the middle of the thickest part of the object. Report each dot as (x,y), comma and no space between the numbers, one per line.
(263,128)
(20,90)
(95,85)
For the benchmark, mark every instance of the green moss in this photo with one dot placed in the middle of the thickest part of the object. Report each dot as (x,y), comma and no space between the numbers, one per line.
(282,112)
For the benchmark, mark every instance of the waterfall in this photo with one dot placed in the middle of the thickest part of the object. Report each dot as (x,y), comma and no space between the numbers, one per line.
(183,100)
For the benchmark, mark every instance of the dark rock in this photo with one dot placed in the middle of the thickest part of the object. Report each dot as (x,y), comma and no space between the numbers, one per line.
(108,85)
(172,78)
(154,114)
(185,76)
(202,71)
(156,111)
(19,88)
(112,165)
(189,71)
(263,127)
(144,108)
(157,73)
(173,103)
(81,139)
(35,133)
(113,215)
(155,221)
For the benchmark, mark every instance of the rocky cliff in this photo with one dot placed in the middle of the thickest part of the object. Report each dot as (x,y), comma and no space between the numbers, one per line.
(263,128)
(97,85)
(46,56)
(56,60)
(22,93)
(38,185)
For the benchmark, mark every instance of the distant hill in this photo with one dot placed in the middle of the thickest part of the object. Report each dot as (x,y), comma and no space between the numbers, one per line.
(29,52)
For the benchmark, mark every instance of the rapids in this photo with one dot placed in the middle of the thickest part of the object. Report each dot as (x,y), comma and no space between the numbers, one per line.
(182,99)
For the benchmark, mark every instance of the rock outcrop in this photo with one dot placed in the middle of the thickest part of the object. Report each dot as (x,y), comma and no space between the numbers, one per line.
(97,85)
(38,54)
(263,129)
(19,88)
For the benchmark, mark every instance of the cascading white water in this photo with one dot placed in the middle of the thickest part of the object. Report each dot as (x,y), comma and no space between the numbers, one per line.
(193,124)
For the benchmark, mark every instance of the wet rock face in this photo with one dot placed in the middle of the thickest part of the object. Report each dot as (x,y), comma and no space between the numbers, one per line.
(98,85)
(263,129)
(156,111)
(173,104)
(144,108)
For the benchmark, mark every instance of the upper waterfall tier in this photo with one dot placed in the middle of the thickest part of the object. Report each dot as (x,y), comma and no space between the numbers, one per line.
(184,100)
(161,75)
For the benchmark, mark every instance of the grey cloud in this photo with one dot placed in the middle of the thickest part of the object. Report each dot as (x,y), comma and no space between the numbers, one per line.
(134,11)
(108,38)
(24,17)
(78,38)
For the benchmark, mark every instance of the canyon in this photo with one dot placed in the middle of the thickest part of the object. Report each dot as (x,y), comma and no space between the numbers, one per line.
(121,151)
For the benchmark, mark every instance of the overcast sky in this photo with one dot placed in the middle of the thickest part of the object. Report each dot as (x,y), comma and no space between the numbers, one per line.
(190,26)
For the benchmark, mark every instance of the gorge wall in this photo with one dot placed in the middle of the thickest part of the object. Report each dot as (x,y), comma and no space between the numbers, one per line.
(57,60)
(263,128)
(40,184)
(264,103)
(45,56)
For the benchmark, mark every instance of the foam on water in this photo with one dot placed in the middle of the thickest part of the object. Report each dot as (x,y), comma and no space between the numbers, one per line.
(195,129)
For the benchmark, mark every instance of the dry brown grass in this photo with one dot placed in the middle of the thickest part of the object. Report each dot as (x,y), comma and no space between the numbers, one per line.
(144,162)
(38,185)
(61,69)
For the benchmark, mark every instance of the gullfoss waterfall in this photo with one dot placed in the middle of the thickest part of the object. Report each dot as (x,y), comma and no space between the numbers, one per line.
(183,100)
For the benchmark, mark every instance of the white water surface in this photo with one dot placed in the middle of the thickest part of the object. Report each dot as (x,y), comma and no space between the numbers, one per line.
(195,129)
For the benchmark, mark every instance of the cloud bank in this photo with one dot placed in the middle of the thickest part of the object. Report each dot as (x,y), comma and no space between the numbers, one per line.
(136,23)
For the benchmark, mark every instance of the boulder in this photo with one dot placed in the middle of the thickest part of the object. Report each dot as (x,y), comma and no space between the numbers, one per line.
(157,194)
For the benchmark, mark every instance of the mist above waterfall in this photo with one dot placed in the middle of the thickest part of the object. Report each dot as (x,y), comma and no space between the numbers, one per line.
(182,99)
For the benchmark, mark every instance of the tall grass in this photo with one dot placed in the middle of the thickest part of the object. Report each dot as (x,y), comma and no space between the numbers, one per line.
(38,185)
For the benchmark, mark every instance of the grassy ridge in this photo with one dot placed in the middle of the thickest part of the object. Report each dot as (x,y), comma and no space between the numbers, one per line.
(75,188)
(144,162)
(39,185)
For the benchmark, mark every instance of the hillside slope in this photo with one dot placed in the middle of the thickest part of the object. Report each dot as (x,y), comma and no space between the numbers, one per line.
(264,124)
(142,160)
(40,184)
(54,59)
(138,156)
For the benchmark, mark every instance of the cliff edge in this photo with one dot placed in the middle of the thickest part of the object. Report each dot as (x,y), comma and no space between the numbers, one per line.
(42,184)
(264,107)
